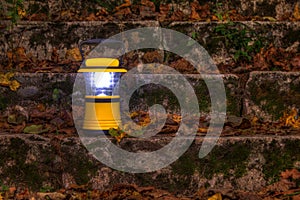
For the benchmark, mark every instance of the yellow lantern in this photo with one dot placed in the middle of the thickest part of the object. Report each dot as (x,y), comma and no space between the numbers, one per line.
(102,103)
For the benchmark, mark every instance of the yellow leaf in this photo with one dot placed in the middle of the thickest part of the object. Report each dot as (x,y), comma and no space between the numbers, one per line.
(21,12)
(5,81)
(120,137)
(271,19)
(296,12)
(1,198)
(73,54)
(217,196)
(14,85)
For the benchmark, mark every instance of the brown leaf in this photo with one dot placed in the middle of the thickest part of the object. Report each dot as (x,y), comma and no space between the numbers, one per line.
(38,17)
(147,9)
(73,54)
(177,16)
(194,7)
(91,17)
(292,173)
(164,10)
(297,197)
(123,13)
(153,57)
(126,4)
(295,62)
(296,13)
(102,12)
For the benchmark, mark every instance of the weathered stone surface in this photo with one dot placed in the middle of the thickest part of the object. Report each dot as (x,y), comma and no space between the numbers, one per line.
(41,38)
(154,94)
(279,9)
(269,94)
(58,88)
(40,88)
(281,34)
(237,163)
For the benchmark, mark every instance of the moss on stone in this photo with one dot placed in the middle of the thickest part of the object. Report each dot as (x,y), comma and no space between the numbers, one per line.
(226,159)
(80,166)
(223,159)
(268,97)
(20,171)
(280,158)
(3,103)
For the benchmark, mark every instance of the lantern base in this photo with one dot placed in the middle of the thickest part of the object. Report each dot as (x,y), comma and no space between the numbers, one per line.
(102,113)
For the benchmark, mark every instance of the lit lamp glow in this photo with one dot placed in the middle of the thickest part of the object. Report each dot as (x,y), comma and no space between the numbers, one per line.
(102,103)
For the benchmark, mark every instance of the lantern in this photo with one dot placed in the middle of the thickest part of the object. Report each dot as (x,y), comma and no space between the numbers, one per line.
(102,103)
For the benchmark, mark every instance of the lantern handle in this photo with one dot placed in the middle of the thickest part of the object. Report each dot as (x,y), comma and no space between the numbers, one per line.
(96,41)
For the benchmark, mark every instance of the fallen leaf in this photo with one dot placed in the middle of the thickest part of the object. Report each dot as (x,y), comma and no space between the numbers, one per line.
(91,17)
(177,16)
(194,14)
(21,12)
(5,80)
(126,3)
(271,19)
(73,54)
(292,173)
(217,196)
(296,12)
(14,85)
(164,10)
(34,129)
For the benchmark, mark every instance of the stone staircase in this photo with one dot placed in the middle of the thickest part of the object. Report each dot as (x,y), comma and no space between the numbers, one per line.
(246,162)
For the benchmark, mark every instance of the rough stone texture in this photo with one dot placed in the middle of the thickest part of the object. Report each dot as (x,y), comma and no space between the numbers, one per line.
(269,94)
(39,88)
(237,163)
(281,34)
(58,88)
(266,94)
(277,8)
(40,38)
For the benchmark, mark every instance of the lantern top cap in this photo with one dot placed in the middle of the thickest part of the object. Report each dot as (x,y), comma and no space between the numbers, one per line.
(102,65)
(102,62)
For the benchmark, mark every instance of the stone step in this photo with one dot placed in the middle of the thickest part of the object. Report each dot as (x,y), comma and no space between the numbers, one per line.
(265,95)
(41,39)
(279,9)
(235,163)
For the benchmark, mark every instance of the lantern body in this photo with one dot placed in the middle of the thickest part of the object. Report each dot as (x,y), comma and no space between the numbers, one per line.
(102,103)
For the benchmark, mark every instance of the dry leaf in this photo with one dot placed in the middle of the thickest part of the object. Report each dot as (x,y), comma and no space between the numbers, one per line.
(21,12)
(73,54)
(91,17)
(5,80)
(127,3)
(296,12)
(177,16)
(194,14)
(35,129)
(271,19)
(292,173)
(217,196)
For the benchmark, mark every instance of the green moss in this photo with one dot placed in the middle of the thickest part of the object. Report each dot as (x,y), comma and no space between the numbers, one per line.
(222,159)
(37,38)
(233,106)
(3,103)
(280,158)
(21,171)
(202,94)
(268,97)
(80,166)
(185,165)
